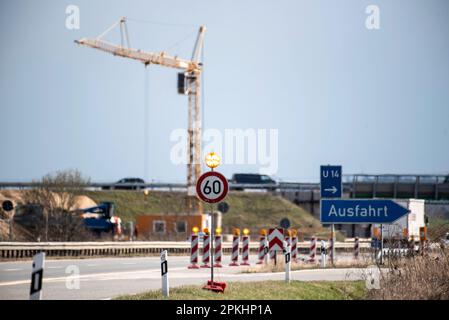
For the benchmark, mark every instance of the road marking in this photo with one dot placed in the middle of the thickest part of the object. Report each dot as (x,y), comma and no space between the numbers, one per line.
(12,269)
(95,276)
(129,263)
(55,267)
(93,265)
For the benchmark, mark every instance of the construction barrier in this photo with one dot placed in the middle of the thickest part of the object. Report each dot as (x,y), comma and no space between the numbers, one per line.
(206,251)
(69,250)
(312,250)
(294,249)
(356,248)
(288,240)
(245,251)
(193,251)
(217,251)
(235,251)
(262,253)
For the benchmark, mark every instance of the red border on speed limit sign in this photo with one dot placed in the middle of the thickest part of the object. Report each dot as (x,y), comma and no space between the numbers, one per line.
(217,191)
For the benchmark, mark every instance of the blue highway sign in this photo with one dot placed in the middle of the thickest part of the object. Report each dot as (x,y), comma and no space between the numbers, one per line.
(330,181)
(360,211)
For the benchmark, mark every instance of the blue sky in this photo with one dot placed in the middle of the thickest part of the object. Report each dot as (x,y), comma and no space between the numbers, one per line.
(374,101)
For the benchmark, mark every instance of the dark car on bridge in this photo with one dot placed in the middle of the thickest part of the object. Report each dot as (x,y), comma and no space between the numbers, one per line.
(127,184)
(253,179)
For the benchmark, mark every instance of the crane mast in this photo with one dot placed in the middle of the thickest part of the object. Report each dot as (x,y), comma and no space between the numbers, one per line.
(189,83)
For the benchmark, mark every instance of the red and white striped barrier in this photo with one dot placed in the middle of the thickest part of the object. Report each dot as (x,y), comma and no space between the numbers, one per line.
(217,251)
(356,248)
(193,251)
(288,239)
(235,251)
(245,251)
(261,253)
(312,250)
(206,251)
(294,249)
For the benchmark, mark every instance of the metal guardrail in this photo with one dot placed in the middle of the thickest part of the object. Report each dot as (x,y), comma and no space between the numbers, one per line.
(18,250)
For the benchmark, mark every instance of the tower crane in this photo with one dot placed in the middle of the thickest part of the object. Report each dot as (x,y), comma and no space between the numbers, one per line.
(189,83)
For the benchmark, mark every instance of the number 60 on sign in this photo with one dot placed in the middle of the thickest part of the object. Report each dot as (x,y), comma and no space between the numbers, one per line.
(212,187)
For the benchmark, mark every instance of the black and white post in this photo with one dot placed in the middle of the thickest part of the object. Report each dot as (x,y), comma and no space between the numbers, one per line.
(266,250)
(323,253)
(287,255)
(164,273)
(37,275)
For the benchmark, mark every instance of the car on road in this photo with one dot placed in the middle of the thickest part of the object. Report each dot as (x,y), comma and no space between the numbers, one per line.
(253,179)
(127,184)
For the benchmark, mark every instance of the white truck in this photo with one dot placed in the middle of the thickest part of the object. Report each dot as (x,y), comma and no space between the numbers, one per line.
(412,221)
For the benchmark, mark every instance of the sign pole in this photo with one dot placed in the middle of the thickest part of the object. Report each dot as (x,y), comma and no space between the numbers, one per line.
(381,244)
(333,244)
(212,187)
(212,236)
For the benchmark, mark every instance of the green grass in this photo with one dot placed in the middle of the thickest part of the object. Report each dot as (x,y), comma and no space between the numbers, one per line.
(247,210)
(266,290)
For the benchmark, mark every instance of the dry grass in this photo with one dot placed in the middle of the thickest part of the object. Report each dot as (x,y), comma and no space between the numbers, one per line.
(302,265)
(415,278)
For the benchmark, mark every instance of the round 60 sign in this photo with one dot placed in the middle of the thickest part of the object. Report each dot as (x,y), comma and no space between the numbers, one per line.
(212,187)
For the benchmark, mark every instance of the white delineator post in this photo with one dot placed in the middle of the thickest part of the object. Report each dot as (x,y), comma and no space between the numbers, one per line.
(245,251)
(356,248)
(37,275)
(193,251)
(164,273)
(217,251)
(206,251)
(323,254)
(312,250)
(287,256)
(235,251)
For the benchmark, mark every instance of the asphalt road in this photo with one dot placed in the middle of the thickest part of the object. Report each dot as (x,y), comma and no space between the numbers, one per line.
(106,278)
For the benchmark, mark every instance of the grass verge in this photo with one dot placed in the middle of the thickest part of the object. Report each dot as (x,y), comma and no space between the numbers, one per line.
(265,290)
(280,266)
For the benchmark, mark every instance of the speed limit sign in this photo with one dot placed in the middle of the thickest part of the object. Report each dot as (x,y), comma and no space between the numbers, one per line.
(212,187)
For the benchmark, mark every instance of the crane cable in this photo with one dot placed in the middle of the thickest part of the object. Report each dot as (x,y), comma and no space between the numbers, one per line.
(167,24)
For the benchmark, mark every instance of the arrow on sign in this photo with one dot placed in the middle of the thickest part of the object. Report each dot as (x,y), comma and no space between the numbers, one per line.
(333,189)
(361,211)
